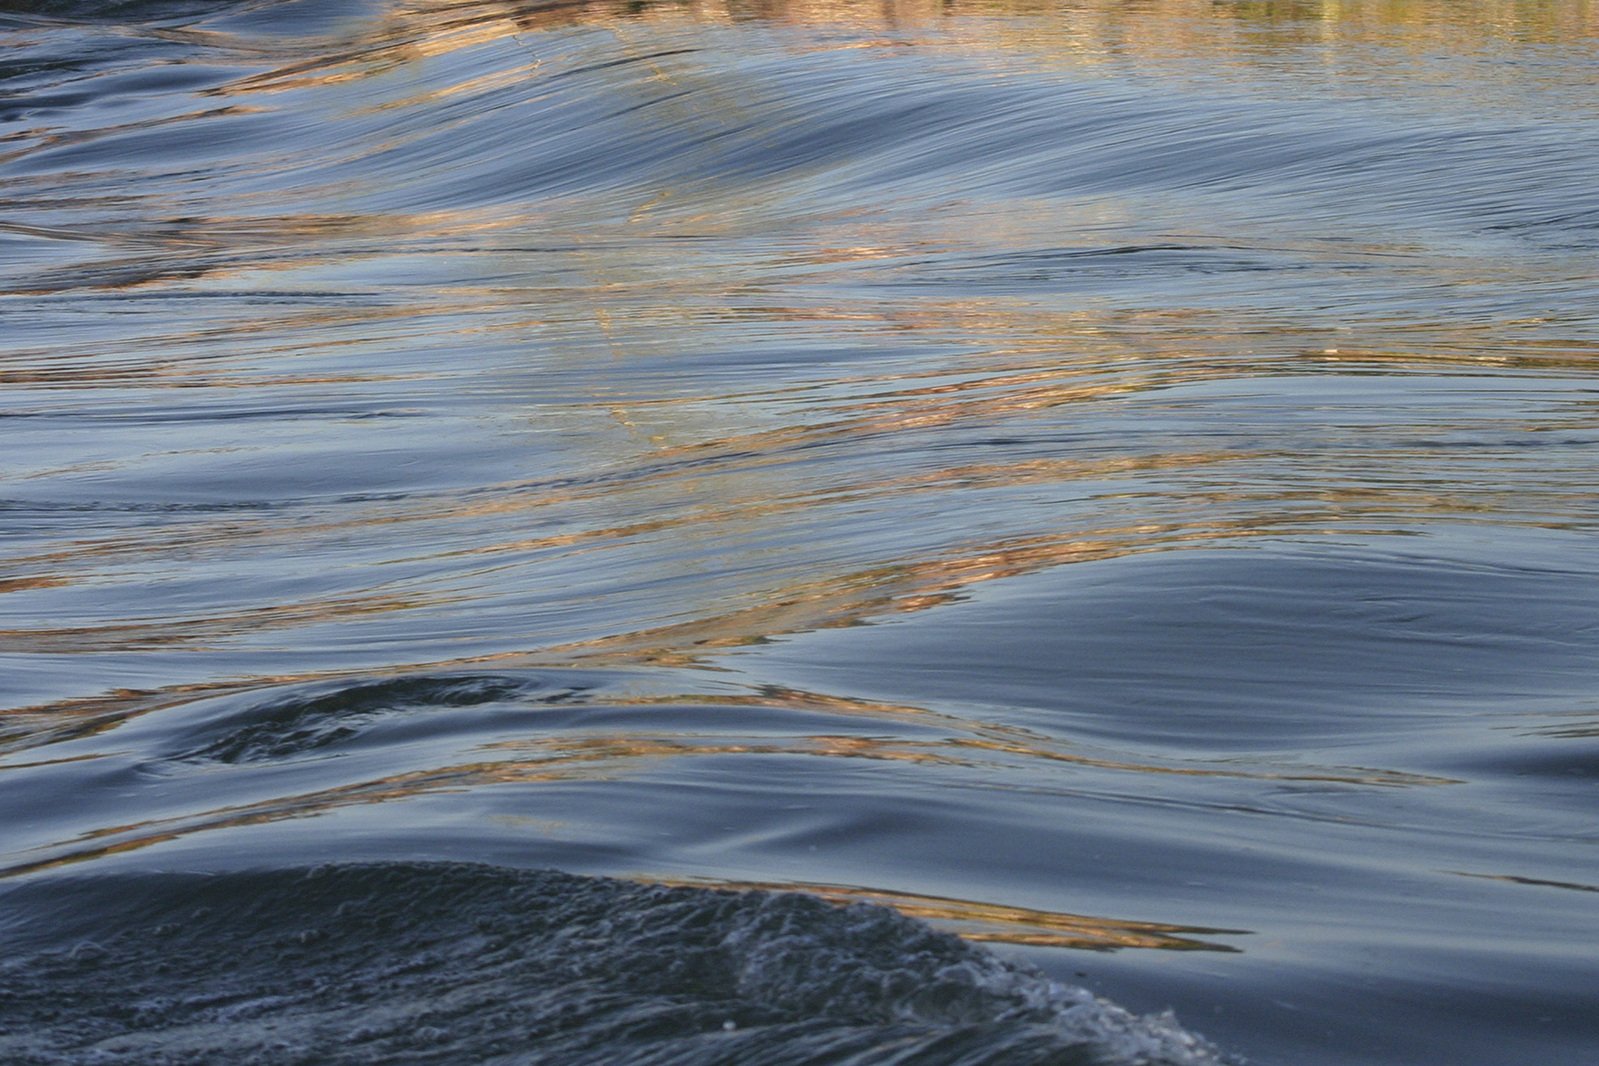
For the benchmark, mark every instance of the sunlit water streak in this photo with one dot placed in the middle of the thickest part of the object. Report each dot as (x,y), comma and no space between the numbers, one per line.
(1098,477)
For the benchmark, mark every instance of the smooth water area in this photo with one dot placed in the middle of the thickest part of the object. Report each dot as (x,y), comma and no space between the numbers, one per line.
(1114,481)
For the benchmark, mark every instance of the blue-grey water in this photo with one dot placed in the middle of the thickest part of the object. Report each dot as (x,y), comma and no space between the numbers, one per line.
(529,531)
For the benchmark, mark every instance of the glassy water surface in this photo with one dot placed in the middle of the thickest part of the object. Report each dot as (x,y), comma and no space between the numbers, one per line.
(1114,481)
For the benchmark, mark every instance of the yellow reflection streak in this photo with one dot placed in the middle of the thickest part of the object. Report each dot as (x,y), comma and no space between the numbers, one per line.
(589,756)
(165,632)
(852,598)
(996,922)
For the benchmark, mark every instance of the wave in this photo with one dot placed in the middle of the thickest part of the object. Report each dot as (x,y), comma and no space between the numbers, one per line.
(399,962)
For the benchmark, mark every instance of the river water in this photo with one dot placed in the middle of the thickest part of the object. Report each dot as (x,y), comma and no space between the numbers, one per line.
(1112,481)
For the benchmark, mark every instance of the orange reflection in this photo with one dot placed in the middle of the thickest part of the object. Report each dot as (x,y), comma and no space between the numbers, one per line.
(695,466)
(999,923)
(163,632)
(970,752)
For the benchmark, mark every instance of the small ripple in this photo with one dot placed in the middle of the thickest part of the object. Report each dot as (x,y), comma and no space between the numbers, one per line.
(329,715)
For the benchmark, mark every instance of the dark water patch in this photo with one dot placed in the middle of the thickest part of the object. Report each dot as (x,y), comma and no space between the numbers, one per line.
(1520,756)
(1091,269)
(125,11)
(1238,646)
(454,963)
(1537,882)
(330,714)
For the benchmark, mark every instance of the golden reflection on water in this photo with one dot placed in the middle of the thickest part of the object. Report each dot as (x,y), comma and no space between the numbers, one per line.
(896,404)
(166,632)
(1390,41)
(1089,27)
(999,923)
(692,466)
(836,602)
(972,920)
(978,753)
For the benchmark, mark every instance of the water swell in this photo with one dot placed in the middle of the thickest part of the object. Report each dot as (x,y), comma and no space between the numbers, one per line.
(307,722)
(454,963)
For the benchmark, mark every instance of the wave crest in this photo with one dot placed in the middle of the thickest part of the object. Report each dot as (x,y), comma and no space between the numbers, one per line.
(456,963)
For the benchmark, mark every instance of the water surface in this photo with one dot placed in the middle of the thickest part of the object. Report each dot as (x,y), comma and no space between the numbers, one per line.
(1116,481)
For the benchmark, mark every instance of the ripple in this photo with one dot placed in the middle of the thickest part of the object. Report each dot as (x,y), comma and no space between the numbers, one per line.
(307,722)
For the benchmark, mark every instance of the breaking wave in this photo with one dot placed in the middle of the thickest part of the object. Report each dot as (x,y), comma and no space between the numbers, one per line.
(466,963)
